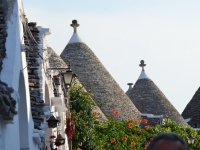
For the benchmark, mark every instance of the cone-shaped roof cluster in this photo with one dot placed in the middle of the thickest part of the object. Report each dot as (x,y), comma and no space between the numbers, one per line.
(148,98)
(107,93)
(191,111)
(56,62)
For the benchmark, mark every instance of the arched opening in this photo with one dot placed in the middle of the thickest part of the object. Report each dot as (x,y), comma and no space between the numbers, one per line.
(23,115)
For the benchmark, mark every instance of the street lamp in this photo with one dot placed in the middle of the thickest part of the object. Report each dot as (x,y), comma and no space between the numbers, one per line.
(60,139)
(52,122)
(68,76)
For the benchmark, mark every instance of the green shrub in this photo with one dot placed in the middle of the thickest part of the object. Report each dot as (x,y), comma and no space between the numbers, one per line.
(94,134)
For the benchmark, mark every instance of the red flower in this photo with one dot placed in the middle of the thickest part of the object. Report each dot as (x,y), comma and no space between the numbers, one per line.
(117,112)
(146,127)
(139,120)
(94,112)
(113,111)
(145,121)
(96,117)
(70,129)
(133,144)
(131,121)
(112,140)
(130,125)
(124,139)
(52,137)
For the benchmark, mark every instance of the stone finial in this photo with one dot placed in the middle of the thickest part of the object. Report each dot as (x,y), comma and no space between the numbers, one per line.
(142,64)
(130,85)
(74,25)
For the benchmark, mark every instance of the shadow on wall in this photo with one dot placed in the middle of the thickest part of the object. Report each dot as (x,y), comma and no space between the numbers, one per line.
(23,114)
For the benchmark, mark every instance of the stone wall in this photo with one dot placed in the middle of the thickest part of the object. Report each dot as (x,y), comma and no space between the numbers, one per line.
(107,93)
(7,103)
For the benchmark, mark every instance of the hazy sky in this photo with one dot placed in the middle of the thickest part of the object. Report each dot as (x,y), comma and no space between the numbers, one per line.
(164,33)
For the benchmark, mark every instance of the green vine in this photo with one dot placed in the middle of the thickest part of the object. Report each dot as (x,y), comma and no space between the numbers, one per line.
(94,134)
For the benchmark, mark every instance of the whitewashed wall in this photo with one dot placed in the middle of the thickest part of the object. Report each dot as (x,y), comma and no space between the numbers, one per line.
(13,65)
(48,93)
(18,134)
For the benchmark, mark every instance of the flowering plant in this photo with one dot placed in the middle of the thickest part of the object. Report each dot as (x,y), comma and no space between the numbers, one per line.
(52,137)
(117,135)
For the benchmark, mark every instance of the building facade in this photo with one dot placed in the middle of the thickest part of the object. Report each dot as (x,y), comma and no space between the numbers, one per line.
(27,83)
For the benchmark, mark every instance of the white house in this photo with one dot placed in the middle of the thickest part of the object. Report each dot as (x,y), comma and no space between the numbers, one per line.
(27,85)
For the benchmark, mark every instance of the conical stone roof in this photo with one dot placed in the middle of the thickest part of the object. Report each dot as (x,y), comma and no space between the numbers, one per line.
(149,99)
(107,93)
(56,62)
(54,59)
(192,110)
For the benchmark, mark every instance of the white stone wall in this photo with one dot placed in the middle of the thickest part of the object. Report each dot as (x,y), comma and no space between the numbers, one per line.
(46,75)
(19,132)
(13,65)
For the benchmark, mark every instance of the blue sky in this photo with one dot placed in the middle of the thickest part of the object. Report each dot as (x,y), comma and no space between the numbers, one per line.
(166,34)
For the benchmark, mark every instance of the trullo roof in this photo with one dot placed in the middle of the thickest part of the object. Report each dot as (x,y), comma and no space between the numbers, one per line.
(191,111)
(149,99)
(56,62)
(107,93)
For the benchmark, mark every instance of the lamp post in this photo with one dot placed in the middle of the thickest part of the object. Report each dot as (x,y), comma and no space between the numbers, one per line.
(52,122)
(68,78)
(60,139)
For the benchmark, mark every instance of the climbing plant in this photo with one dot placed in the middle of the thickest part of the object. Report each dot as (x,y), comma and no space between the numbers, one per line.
(94,134)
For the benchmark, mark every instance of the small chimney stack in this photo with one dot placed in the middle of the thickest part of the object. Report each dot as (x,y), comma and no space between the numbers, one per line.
(130,85)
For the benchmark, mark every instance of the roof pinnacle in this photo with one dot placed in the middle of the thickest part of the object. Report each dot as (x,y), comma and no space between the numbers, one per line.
(74,25)
(142,64)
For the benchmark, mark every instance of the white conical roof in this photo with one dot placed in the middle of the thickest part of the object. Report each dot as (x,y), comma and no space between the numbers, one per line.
(75,38)
(143,75)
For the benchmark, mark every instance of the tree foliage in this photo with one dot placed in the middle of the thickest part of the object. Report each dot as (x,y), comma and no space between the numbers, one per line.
(94,134)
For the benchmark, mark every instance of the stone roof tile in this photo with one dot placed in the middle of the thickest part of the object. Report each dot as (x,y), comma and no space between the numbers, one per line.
(54,60)
(57,62)
(149,99)
(107,93)
(192,110)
